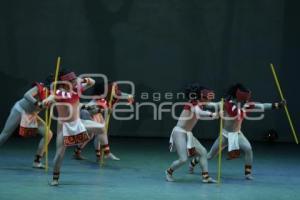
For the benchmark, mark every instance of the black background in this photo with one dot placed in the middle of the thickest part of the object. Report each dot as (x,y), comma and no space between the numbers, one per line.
(160,45)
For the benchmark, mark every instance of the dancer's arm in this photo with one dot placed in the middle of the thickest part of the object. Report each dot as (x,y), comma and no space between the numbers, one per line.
(30,94)
(48,101)
(202,113)
(87,83)
(265,106)
(127,96)
(212,105)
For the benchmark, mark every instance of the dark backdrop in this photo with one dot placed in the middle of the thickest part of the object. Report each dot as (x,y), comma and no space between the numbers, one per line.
(160,45)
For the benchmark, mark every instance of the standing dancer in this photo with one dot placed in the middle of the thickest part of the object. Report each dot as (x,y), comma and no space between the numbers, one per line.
(96,110)
(25,113)
(71,129)
(236,107)
(182,139)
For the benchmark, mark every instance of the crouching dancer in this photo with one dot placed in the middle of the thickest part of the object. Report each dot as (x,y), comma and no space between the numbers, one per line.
(236,107)
(182,139)
(71,130)
(97,110)
(25,115)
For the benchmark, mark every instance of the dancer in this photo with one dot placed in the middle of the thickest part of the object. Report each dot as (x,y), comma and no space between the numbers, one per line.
(96,110)
(236,107)
(25,114)
(182,139)
(72,130)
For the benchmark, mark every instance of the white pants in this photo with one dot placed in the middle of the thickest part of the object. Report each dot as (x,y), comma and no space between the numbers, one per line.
(244,144)
(180,142)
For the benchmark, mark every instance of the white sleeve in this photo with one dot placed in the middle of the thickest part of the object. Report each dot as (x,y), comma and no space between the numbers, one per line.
(125,95)
(201,113)
(213,105)
(262,106)
(29,95)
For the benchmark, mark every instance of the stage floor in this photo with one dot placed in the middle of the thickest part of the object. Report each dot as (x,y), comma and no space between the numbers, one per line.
(140,174)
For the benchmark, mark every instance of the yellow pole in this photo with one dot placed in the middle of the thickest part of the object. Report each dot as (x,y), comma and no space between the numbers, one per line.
(220,141)
(56,73)
(46,136)
(285,107)
(109,113)
(48,118)
(112,94)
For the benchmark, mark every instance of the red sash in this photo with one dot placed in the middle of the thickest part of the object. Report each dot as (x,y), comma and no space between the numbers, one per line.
(76,139)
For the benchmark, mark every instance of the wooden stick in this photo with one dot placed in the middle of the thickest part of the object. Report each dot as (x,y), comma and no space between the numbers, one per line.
(285,107)
(220,142)
(46,135)
(112,94)
(109,113)
(49,117)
